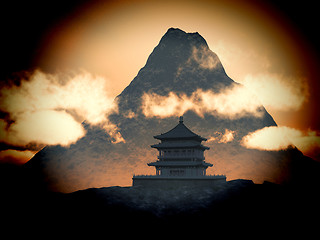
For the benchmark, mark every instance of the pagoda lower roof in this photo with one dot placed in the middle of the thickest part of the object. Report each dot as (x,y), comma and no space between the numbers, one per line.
(179,164)
(177,144)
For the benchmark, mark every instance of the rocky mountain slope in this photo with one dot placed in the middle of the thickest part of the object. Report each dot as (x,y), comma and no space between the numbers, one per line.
(182,64)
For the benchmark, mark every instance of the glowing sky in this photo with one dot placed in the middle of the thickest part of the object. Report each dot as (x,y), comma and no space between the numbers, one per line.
(111,40)
(115,39)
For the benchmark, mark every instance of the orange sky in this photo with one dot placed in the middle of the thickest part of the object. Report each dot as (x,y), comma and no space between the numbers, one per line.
(257,46)
(115,39)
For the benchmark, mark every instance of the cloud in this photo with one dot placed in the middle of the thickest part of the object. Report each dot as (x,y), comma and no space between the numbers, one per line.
(277,92)
(228,136)
(201,57)
(279,138)
(49,108)
(204,57)
(237,60)
(233,103)
(84,93)
(15,156)
(46,126)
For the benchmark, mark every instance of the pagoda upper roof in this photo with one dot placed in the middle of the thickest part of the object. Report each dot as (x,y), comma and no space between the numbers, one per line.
(180,132)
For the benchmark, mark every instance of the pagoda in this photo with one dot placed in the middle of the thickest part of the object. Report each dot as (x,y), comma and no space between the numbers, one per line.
(180,161)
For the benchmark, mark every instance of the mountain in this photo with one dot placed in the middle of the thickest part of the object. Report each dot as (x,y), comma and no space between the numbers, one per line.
(181,63)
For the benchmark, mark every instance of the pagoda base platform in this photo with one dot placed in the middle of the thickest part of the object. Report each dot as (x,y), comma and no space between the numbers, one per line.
(174,182)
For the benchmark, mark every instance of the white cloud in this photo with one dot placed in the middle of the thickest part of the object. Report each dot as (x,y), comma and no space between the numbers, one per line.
(225,137)
(228,136)
(204,57)
(47,127)
(49,108)
(86,94)
(233,102)
(278,138)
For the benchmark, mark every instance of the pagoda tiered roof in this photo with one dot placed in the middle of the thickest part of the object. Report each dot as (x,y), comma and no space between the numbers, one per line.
(180,144)
(179,164)
(180,132)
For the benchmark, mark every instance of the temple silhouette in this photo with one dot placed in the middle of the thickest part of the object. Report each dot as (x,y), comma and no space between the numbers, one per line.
(181,161)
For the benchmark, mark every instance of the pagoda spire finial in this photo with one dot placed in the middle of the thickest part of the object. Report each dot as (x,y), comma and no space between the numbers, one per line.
(181,119)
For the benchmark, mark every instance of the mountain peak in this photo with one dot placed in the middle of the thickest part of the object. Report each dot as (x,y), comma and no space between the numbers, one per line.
(176,34)
(181,63)
(176,48)
(172,29)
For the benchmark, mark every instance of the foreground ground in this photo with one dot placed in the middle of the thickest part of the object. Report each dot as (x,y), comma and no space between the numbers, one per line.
(238,205)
